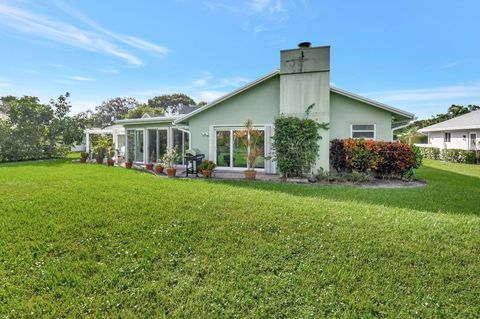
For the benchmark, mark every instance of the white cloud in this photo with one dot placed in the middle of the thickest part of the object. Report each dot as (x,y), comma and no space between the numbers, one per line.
(94,38)
(209,96)
(79,78)
(258,15)
(426,101)
(114,71)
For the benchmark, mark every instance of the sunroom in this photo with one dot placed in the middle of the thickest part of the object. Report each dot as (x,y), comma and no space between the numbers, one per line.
(148,139)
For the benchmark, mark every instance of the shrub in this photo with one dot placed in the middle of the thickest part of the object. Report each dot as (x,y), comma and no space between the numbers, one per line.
(296,144)
(382,158)
(430,152)
(458,156)
(207,165)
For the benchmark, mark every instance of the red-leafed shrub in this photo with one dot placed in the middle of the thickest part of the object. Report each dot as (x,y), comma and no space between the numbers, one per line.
(382,158)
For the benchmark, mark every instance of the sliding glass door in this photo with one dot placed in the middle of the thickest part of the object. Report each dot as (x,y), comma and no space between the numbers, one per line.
(181,140)
(135,145)
(157,144)
(231,150)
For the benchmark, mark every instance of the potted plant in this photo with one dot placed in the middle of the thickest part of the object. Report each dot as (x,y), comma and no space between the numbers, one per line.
(128,164)
(149,165)
(110,155)
(83,157)
(159,168)
(169,159)
(250,139)
(101,148)
(206,168)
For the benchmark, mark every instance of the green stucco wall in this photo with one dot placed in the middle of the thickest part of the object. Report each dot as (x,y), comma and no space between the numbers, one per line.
(345,111)
(260,104)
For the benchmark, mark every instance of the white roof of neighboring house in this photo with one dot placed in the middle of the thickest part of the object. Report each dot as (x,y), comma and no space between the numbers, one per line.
(463,122)
(277,72)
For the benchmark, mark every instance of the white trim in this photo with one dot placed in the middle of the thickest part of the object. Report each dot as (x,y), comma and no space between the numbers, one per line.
(372,102)
(227,96)
(374,130)
(452,128)
(157,119)
(231,128)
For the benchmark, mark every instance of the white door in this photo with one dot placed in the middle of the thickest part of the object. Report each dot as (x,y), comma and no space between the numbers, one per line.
(472,141)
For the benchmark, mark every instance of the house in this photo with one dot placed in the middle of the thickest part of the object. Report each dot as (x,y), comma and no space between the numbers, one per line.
(302,82)
(461,132)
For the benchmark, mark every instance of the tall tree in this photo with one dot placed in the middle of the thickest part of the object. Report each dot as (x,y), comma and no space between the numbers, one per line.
(171,103)
(142,109)
(113,109)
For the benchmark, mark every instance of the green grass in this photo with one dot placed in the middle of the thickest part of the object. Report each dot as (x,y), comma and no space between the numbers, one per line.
(88,240)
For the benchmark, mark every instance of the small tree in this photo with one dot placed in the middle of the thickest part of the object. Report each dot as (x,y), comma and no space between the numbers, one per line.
(250,139)
(296,144)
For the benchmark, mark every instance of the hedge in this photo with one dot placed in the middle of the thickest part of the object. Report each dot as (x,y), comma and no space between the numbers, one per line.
(452,155)
(430,152)
(458,156)
(381,158)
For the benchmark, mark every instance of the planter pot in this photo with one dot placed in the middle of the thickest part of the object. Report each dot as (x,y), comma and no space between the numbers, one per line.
(159,169)
(207,173)
(83,160)
(149,166)
(250,175)
(128,165)
(99,160)
(110,162)
(171,172)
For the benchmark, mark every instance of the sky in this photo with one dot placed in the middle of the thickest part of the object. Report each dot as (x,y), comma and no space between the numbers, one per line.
(421,56)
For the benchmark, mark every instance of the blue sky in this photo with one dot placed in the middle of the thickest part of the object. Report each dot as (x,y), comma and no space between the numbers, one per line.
(421,56)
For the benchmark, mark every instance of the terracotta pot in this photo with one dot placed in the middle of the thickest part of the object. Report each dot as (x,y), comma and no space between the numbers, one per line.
(99,160)
(149,166)
(250,175)
(159,169)
(171,172)
(83,160)
(110,162)
(207,173)
(128,164)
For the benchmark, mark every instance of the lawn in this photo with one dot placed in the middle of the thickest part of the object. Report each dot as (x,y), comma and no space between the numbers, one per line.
(88,240)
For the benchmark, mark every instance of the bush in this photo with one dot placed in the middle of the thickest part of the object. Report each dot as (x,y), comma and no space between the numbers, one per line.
(458,156)
(296,144)
(430,152)
(381,158)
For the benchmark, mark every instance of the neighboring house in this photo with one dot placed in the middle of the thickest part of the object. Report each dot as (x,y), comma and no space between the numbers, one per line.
(303,81)
(462,132)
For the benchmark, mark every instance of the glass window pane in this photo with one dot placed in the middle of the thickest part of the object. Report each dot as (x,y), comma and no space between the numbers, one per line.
(152,146)
(162,143)
(138,146)
(362,135)
(131,145)
(369,127)
(239,149)
(223,148)
(178,142)
(258,141)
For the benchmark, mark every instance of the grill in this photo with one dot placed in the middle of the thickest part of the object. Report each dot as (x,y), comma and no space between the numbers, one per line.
(193,159)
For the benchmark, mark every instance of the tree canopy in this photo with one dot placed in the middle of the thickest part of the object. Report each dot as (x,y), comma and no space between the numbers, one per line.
(113,109)
(171,103)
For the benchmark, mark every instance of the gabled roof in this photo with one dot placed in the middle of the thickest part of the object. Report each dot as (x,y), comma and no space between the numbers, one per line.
(270,75)
(463,122)
(229,95)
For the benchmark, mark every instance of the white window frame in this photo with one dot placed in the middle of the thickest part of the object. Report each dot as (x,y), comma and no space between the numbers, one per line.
(445,137)
(135,144)
(470,140)
(374,130)
(231,128)
(167,129)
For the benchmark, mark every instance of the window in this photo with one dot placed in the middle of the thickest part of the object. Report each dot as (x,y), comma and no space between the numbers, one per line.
(135,145)
(366,131)
(447,138)
(231,150)
(181,140)
(157,144)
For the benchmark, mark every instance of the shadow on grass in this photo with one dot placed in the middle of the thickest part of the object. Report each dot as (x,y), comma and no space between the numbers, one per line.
(446,192)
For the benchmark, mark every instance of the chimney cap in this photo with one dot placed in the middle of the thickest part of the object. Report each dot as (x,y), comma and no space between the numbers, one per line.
(304,45)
